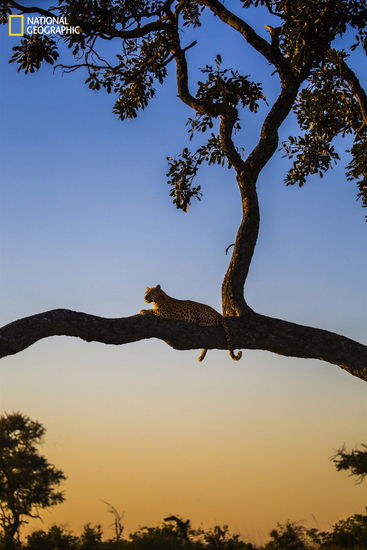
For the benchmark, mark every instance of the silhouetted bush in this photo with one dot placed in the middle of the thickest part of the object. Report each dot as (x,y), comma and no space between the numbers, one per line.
(290,536)
(218,538)
(348,534)
(164,537)
(56,538)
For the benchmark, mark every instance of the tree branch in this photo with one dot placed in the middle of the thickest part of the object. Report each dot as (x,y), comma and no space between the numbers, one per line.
(251,332)
(233,302)
(33,9)
(138,32)
(272,55)
(182,78)
(349,75)
(269,138)
(124,34)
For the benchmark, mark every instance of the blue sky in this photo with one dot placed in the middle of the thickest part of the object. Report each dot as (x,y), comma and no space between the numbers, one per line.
(87,224)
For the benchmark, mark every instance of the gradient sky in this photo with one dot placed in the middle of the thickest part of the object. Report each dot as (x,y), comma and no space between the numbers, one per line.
(87,224)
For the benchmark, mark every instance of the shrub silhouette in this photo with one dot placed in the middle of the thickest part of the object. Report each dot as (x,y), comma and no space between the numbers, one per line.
(290,536)
(348,534)
(56,538)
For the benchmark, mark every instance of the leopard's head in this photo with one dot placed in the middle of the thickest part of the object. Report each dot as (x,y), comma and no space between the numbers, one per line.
(152,294)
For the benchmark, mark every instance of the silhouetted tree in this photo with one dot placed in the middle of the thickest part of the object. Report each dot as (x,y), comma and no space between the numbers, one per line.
(289,536)
(315,79)
(27,481)
(355,461)
(117,524)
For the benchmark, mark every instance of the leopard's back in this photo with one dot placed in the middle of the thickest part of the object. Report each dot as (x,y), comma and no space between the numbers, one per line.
(194,312)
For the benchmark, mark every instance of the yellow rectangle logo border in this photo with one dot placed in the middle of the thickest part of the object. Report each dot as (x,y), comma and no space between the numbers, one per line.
(22,26)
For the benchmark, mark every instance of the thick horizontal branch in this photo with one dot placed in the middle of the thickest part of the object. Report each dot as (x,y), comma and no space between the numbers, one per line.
(251,332)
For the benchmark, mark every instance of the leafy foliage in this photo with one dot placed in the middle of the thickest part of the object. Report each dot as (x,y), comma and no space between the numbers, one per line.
(231,90)
(355,462)
(150,39)
(218,88)
(165,536)
(5,11)
(348,534)
(134,78)
(56,537)
(289,536)
(156,538)
(219,538)
(325,109)
(357,168)
(183,169)
(191,12)
(182,172)
(33,51)
(313,156)
(307,28)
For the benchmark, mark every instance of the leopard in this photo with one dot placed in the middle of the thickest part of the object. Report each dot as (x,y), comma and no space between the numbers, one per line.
(189,311)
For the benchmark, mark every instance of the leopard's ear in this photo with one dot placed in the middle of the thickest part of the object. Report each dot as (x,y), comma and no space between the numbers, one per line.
(158,287)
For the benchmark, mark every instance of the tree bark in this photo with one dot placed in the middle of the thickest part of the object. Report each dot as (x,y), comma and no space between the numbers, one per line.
(247,172)
(253,331)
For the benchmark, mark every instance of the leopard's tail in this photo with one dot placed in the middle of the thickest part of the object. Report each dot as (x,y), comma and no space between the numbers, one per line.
(229,342)
(202,355)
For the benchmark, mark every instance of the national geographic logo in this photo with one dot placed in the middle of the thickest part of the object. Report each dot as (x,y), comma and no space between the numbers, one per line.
(16,23)
(40,25)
